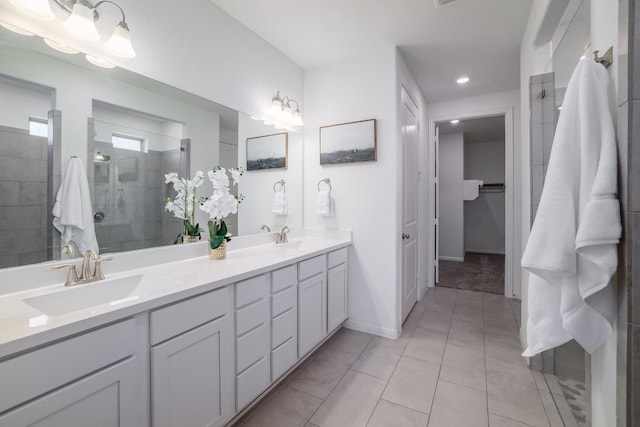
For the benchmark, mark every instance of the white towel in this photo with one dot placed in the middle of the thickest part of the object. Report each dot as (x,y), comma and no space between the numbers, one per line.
(279,204)
(324,206)
(72,212)
(571,253)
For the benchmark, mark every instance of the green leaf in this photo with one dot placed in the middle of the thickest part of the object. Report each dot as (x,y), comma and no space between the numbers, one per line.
(216,241)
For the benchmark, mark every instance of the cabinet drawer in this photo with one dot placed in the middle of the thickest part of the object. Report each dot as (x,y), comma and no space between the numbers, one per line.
(252,382)
(251,347)
(42,370)
(283,358)
(251,290)
(284,301)
(284,327)
(311,267)
(336,257)
(173,320)
(251,316)
(283,278)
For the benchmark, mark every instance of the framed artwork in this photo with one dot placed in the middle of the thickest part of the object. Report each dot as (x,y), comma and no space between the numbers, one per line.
(267,152)
(348,142)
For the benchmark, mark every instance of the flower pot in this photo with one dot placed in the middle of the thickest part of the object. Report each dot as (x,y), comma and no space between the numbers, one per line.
(190,239)
(220,252)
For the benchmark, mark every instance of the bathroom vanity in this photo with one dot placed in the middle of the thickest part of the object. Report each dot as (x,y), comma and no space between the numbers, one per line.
(191,342)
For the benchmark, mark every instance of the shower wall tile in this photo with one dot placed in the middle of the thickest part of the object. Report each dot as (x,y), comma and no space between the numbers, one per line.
(33,257)
(22,241)
(9,261)
(18,169)
(21,217)
(10,192)
(18,143)
(33,193)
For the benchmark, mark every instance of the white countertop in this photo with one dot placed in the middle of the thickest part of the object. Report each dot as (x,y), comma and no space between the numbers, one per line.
(23,326)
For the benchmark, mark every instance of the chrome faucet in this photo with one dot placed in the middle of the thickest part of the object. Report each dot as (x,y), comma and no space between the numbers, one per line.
(86,275)
(282,236)
(266,228)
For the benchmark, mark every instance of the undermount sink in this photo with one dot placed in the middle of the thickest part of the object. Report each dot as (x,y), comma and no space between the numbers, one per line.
(109,291)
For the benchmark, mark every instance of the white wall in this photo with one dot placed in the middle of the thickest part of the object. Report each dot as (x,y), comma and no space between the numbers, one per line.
(484,218)
(21,101)
(451,161)
(366,194)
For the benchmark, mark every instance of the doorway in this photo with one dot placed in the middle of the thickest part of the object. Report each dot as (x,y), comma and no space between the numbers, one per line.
(489,236)
(472,204)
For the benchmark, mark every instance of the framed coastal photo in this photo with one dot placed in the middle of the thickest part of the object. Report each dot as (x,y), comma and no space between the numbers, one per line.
(267,152)
(348,142)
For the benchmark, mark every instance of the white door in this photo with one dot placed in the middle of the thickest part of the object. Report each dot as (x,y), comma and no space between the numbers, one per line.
(436,218)
(409,203)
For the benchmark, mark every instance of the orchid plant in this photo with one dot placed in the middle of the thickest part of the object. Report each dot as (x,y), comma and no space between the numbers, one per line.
(221,203)
(184,204)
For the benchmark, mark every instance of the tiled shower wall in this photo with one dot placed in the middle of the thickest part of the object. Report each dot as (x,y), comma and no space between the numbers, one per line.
(23,197)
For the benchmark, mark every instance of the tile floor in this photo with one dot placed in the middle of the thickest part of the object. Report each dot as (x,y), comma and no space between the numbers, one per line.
(457,363)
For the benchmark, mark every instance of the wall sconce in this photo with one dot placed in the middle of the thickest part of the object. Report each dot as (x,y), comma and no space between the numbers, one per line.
(81,22)
(281,107)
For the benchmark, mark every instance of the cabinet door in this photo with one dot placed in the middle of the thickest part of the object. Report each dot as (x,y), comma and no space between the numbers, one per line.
(104,399)
(312,312)
(192,378)
(336,296)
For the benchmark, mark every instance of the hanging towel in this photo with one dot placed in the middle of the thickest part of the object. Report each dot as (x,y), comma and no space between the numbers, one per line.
(571,253)
(279,204)
(72,212)
(324,206)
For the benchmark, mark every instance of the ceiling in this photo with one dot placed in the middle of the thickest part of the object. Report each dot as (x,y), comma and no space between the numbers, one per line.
(485,129)
(477,38)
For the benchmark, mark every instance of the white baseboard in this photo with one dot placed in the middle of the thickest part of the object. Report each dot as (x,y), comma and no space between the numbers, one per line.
(451,258)
(372,329)
(485,251)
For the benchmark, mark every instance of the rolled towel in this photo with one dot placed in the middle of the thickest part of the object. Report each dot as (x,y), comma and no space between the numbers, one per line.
(279,204)
(325,203)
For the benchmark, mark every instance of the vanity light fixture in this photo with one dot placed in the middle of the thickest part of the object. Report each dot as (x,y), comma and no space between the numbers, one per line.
(15,29)
(462,80)
(455,122)
(99,62)
(60,47)
(283,111)
(81,22)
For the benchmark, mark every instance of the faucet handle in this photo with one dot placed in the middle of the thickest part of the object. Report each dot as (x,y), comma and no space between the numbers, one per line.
(72,274)
(97,269)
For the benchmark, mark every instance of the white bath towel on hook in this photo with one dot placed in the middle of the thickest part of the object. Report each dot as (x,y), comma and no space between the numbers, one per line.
(72,212)
(571,252)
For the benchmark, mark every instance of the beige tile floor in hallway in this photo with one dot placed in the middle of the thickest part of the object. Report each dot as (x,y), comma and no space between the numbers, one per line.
(457,363)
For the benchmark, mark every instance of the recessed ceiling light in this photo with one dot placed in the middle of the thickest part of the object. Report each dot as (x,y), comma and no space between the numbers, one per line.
(61,47)
(462,80)
(455,122)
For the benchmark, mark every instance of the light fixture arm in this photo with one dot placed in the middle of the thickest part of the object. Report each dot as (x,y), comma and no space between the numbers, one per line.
(122,23)
(67,5)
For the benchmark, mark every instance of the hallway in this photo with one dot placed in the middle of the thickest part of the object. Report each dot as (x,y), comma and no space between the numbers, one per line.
(457,363)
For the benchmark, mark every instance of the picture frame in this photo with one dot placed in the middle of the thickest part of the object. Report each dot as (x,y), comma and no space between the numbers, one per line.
(348,142)
(268,152)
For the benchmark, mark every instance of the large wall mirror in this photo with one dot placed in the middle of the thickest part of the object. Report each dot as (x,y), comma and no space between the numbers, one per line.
(131,130)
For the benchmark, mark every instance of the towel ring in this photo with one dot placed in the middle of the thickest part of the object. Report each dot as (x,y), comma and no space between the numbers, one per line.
(281,183)
(327,181)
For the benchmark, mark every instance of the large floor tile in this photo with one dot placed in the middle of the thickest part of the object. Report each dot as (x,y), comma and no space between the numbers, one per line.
(501,326)
(413,384)
(350,341)
(351,403)
(463,332)
(519,404)
(469,298)
(426,345)
(436,319)
(498,421)
(287,407)
(320,376)
(380,358)
(464,365)
(389,414)
(471,313)
(456,405)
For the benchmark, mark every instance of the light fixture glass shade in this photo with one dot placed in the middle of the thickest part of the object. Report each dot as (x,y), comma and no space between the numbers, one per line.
(99,62)
(80,23)
(120,42)
(15,29)
(39,9)
(297,118)
(60,47)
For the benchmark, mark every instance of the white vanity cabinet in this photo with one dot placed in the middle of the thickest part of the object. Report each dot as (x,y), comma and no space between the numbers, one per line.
(337,290)
(312,303)
(91,378)
(192,350)
(284,320)
(252,339)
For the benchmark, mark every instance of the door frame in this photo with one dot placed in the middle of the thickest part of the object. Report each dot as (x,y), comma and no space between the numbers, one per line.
(511,286)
